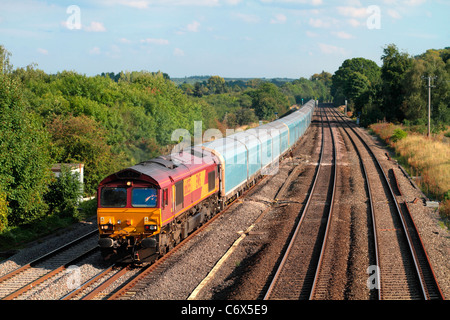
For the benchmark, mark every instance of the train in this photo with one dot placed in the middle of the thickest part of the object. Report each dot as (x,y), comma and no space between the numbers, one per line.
(145,210)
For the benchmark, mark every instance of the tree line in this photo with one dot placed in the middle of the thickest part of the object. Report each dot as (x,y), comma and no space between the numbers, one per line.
(396,91)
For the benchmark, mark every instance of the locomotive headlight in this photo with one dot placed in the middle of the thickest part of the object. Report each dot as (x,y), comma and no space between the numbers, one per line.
(151,227)
(107,227)
(119,221)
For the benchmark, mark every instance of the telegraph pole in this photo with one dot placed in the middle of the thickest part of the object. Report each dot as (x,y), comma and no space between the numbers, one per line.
(429,102)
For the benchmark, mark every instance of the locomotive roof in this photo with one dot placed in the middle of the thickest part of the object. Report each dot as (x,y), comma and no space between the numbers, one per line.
(163,170)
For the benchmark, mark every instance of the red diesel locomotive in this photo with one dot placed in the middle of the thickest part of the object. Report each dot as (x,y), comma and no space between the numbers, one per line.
(145,210)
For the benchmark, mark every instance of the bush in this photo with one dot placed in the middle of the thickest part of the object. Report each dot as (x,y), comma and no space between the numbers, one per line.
(399,134)
(3,211)
(88,208)
(64,193)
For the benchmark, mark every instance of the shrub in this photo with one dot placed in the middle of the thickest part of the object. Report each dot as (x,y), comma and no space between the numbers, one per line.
(3,211)
(64,193)
(399,134)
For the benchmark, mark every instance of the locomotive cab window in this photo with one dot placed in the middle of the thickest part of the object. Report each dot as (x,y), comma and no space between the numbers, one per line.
(144,197)
(113,197)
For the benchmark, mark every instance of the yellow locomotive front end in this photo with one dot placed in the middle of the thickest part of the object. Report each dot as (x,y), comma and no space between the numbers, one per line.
(129,220)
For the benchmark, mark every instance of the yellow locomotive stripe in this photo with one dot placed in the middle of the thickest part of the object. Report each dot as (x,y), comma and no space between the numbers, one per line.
(203,197)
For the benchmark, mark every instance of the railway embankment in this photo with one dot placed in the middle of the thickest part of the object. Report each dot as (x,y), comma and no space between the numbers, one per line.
(425,160)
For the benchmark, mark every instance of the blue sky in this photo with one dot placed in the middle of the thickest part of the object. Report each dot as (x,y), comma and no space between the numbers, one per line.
(230,38)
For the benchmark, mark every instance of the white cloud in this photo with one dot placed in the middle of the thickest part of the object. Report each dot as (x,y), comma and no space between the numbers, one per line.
(319,23)
(248,18)
(178,52)
(95,51)
(206,3)
(42,51)
(330,49)
(279,18)
(414,2)
(95,27)
(144,4)
(193,27)
(394,14)
(124,40)
(311,34)
(353,12)
(342,34)
(311,2)
(233,2)
(140,4)
(155,41)
(353,22)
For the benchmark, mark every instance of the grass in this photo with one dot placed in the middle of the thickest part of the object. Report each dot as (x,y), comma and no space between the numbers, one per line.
(426,157)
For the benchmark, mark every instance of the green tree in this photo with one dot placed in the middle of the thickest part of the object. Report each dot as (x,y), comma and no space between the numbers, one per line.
(24,155)
(356,80)
(82,140)
(395,66)
(5,65)
(268,100)
(64,193)
(246,116)
(415,104)
(217,85)
(324,76)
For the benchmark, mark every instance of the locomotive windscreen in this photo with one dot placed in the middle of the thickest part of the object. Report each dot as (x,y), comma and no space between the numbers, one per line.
(113,197)
(143,197)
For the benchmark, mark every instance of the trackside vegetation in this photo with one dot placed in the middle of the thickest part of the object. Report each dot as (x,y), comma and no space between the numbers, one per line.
(396,94)
(426,159)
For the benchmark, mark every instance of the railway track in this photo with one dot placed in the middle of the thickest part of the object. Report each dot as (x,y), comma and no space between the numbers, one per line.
(402,269)
(18,282)
(294,280)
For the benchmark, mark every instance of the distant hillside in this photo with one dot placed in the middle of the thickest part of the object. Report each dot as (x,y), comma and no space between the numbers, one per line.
(194,79)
